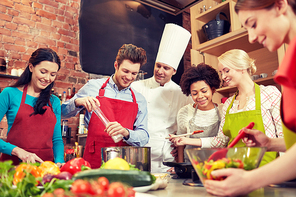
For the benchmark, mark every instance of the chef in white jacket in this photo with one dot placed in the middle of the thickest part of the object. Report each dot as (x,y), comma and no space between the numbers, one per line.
(164,97)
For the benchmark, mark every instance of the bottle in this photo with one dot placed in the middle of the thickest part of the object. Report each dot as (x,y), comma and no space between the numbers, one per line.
(73,92)
(64,127)
(60,97)
(69,96)
(64,97)
(52,91)
(81,123)
(76,150)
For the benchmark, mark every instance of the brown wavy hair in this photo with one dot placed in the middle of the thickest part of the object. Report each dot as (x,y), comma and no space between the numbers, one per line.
(261,4)
(133,53)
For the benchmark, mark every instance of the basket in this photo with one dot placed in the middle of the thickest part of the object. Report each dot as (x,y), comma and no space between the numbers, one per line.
(217,27)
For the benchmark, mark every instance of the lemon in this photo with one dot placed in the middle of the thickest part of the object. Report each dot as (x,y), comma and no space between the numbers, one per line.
(117,164)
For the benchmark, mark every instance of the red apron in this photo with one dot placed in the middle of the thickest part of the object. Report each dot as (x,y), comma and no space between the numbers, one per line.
(124,112)
(32,133)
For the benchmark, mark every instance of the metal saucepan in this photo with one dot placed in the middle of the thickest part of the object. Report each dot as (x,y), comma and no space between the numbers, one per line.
(183,170)
(138,156)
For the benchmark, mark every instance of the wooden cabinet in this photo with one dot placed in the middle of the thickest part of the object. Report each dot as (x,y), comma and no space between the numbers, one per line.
(237,38)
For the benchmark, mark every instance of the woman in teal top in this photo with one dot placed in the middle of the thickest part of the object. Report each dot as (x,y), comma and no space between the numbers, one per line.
(33,114)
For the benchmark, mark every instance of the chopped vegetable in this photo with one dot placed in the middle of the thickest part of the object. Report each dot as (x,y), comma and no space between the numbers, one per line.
(197,131)
(205,169)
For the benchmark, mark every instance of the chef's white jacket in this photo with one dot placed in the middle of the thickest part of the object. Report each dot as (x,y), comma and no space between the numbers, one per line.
(163,104)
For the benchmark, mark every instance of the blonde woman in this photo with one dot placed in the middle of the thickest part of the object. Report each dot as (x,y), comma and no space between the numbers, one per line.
(251,102)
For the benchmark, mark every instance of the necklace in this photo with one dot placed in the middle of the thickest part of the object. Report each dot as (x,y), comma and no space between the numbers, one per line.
(236,103)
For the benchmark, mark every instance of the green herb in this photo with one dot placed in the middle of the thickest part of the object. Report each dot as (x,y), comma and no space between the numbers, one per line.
(6,178)
(28,185)
(55,184)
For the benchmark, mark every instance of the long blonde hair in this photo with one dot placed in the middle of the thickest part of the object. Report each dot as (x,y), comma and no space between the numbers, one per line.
(239,60)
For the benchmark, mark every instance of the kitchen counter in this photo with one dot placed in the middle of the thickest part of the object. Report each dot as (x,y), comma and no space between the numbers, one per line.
(176,188)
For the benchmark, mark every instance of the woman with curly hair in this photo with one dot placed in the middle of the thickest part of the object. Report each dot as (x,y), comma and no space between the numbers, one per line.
(200,82)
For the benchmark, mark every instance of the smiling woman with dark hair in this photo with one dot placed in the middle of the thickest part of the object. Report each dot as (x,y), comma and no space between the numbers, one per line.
(33,114)
(200,82)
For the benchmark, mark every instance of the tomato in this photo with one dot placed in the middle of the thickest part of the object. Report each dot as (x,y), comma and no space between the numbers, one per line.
(116,189)
(104,182)
(48,195)
(59,191)
(131,192)
(241,164)
(98,189)
(81,187)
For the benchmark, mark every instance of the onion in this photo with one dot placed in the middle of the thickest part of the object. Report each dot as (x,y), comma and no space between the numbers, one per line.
(64,175)
(47,178)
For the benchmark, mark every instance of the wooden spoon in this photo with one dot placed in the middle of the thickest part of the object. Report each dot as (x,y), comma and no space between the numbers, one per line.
(187,134)
(222,153)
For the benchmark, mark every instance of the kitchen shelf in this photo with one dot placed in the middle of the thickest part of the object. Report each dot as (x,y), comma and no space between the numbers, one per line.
(221,44)
(210,14)
(81,135)
(261,81)
(208,51)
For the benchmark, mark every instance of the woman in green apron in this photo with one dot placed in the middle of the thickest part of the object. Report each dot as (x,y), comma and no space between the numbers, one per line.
(251,102)
(200,82)
(272,23)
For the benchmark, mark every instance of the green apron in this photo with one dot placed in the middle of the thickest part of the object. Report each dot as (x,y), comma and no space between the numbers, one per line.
(235,122)
(289,135)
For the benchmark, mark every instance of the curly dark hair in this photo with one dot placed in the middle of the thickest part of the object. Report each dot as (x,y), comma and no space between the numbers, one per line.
(202,72)
(38,56)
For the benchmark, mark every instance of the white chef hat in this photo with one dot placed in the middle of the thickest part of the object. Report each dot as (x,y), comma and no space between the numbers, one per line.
(173,44)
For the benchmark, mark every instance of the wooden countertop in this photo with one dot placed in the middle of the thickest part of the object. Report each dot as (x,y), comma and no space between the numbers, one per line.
(176,188)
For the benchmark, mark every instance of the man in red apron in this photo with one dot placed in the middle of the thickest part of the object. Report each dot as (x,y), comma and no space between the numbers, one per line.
(124,108)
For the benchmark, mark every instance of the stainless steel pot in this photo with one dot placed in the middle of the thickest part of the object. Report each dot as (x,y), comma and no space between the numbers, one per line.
(138,156)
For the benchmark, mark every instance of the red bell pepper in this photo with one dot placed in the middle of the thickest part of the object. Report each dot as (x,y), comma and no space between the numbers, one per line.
(74,165)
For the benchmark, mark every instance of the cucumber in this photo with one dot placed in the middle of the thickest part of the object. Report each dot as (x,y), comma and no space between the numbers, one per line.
(132,178)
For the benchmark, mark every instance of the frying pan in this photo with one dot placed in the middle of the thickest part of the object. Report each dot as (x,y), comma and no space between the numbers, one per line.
(183,170)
